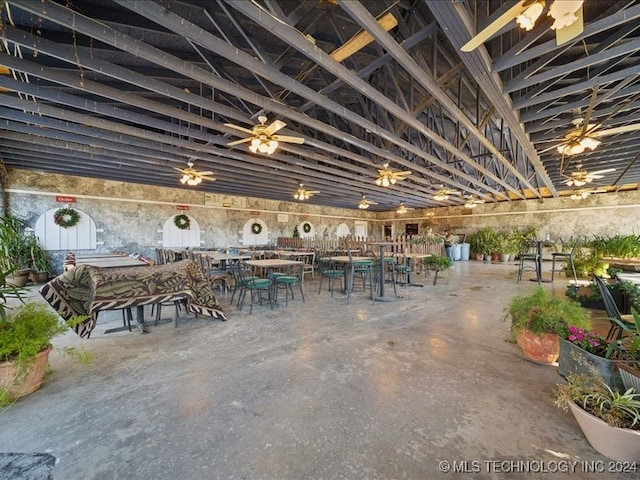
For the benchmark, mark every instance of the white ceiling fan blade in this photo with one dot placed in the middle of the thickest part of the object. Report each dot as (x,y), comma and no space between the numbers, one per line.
(236,127)
(206,177)
(238,142)
(274,127)
(563,35)
(494,27)
(181,170)
(616,130)
(288,139)
(202,174)
(606,170)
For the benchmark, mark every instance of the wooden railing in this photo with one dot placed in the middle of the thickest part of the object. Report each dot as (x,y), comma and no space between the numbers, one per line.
(402,243)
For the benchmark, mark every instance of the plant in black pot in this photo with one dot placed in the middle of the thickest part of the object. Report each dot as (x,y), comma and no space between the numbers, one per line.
(40,262)
(538,319)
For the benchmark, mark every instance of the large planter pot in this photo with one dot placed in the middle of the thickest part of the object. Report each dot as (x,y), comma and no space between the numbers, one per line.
(620,444)
(38,277)
(21,380)
(630,376)
(541,348)
(504,257)
(19,279)
(574,359)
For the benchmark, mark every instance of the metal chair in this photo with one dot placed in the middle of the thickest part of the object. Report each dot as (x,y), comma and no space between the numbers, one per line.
(287,281)
(255,285)
(615,331)
(567,257)
(326,269)
(529,260)
(364,269)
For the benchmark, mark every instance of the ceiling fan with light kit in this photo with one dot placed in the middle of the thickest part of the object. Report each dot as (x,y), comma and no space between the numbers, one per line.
(472,202)
(263,137)
(387,177)
(581,194)
(365,202)
(584,134)
(303,194)
(191,176)
(402,209)
(581,177)
(567,15)
(443,194)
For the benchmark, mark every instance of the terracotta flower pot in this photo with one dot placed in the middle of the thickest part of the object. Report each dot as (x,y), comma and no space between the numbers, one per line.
(23,380)
(621,444)
(543,348)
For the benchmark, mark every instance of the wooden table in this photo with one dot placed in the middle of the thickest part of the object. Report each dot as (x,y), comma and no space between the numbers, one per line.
(111,262)
(271,263)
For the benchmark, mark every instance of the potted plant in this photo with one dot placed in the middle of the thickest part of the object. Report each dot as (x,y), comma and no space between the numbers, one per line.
(437,263)
(629,345)
(584,352)
(15,256)
(538,319)
(609,419)
(26,332)
(40,263)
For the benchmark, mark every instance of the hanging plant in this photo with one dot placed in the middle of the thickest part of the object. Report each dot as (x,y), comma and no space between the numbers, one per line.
(256,228)
(306,227)
(66,217)
(182,221)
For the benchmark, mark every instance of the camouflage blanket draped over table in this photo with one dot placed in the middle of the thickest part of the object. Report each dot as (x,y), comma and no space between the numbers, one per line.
(87,290)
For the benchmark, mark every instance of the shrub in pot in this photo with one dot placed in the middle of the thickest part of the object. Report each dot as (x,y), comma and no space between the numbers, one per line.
(609,419)
(26,332)
(437,263)
(537,320)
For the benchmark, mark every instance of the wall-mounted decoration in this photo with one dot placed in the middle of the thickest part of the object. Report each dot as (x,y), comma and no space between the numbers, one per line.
(66,217)
(182,222)
(283,218)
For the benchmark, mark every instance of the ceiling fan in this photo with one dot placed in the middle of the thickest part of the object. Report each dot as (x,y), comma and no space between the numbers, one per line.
(584,193)
(472,202)
(387,177)
(443,194)
(581,177)
(192,177)
(263,138)
(402,209)
(365,202)
(302,194)
(585,134)
(567,15)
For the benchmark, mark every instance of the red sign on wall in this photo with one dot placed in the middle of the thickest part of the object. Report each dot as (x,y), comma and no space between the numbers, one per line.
(182,207)
(64,199)
(255,214)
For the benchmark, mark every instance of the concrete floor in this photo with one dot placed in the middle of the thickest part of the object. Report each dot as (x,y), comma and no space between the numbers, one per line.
(321,390)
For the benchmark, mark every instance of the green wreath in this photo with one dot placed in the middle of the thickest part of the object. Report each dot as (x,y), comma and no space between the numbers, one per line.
(182,221)
(66,217)
(256,228)
(306,227)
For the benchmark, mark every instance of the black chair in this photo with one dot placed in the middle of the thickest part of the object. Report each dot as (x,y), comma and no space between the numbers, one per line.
(529,260)
(615,331)
(566,257)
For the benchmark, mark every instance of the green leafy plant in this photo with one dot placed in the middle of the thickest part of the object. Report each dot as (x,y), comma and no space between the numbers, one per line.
(437,263)
(15,253)
(592,394)
(296,232)
(541,313)
(483,241)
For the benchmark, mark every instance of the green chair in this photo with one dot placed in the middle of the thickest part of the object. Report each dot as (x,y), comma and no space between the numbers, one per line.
(287,281)
(363,270)
(256,286)
(327,269)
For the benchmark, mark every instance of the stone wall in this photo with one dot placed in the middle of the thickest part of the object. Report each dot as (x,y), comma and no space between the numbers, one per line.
(131,216)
